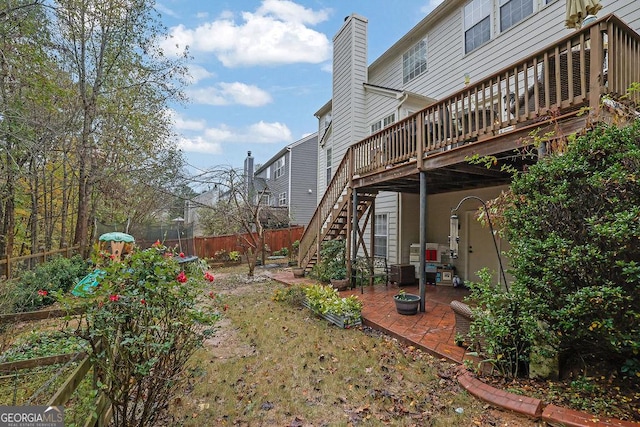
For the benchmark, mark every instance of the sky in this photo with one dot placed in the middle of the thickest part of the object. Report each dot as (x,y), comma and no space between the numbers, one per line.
(259,70)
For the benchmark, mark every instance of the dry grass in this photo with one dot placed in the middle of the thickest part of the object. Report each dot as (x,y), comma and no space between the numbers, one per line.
(276,364)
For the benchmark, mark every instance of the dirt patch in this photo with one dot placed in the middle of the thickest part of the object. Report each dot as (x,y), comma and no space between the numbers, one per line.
(226,343)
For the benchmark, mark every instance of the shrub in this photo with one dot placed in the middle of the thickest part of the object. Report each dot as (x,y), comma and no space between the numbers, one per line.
(332,263)
(143,322)
(505,325)
(35,288)
(574,227)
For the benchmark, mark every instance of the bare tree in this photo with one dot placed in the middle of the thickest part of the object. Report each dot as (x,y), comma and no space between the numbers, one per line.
(245,209)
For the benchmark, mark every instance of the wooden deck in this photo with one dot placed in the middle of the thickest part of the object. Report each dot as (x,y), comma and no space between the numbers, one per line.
(545,91)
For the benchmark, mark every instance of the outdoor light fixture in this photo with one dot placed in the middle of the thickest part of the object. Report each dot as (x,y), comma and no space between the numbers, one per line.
(454,235)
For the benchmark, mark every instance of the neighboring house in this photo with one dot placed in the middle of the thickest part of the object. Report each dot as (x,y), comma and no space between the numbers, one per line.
(473,77)
(288,179)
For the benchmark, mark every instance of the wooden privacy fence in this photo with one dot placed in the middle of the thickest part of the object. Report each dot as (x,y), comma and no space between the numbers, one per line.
(275,240)
(9,265)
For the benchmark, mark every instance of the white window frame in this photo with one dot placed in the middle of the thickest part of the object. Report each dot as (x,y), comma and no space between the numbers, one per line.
(282,199)
(329,161)
(414,61)
(327,121)
(266,199)
(381,231)
(489,14)
(279,168)
(503,3)
(382,123)
(475,13)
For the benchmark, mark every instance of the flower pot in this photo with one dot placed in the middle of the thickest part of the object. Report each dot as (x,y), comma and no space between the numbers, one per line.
(340,284)
(298,272)
(407,303)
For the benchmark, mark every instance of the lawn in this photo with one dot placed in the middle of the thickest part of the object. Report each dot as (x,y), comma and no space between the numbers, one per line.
(273,363)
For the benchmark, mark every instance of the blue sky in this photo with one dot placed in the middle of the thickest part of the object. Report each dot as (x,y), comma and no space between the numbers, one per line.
(261,69)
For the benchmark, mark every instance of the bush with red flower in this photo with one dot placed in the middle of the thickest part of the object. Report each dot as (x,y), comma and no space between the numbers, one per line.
(143,321)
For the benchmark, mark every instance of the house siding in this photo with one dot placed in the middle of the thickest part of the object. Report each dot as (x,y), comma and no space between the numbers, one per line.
(356,108)
(350,72)
(304,158)
(300,158)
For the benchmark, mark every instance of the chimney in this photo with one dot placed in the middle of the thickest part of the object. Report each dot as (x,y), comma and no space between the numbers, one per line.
(248,172)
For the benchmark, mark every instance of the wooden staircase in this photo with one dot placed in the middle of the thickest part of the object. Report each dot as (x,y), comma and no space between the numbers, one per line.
(333,216)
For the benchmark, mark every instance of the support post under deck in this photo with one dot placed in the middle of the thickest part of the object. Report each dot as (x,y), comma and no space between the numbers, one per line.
(423,238)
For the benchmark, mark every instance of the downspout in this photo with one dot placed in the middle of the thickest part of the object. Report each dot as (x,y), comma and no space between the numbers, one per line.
(401,101)
(289,185)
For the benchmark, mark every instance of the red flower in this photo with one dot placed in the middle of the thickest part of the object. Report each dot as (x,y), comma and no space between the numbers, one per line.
(143,301)
(43,293)
(181,255)
(156,244)
(208,276)
(112,256)
(212,295)
(226,307)
(114,297)
(182,277)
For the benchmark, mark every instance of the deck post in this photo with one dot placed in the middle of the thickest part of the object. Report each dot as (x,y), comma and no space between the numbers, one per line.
(595,69)
(423,238)
(354,235)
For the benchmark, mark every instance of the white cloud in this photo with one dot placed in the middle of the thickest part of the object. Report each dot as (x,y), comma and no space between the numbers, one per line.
(276,33)
(269,132)
(180,123)
(202,15)
(197,73)
(229,94)
(213,140)
(199,145)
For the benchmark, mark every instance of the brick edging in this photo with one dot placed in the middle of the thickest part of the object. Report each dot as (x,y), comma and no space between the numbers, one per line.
(534,408)
(524,405)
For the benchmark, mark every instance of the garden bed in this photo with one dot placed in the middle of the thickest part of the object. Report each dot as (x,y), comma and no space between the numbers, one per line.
(340,321)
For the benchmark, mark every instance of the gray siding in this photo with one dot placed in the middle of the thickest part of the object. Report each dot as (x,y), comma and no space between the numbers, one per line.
(301,162)
(304,161)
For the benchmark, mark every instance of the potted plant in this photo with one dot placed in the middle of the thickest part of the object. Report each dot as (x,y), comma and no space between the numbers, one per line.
(298,272)
(406,303)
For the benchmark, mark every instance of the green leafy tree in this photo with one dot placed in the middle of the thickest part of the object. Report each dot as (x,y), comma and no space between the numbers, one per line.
(574,227)
(123,82)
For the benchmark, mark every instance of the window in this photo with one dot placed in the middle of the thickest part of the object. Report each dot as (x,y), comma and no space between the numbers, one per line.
(279,168)
(282,199)
(514,11)
(328,166)
(376,126)
(477,24)
(327,121)
(414,61)
(265,199)
(380,236)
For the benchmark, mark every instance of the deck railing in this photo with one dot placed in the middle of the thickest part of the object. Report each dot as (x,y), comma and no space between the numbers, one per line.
(320,217)
(558,80)
(572,73)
